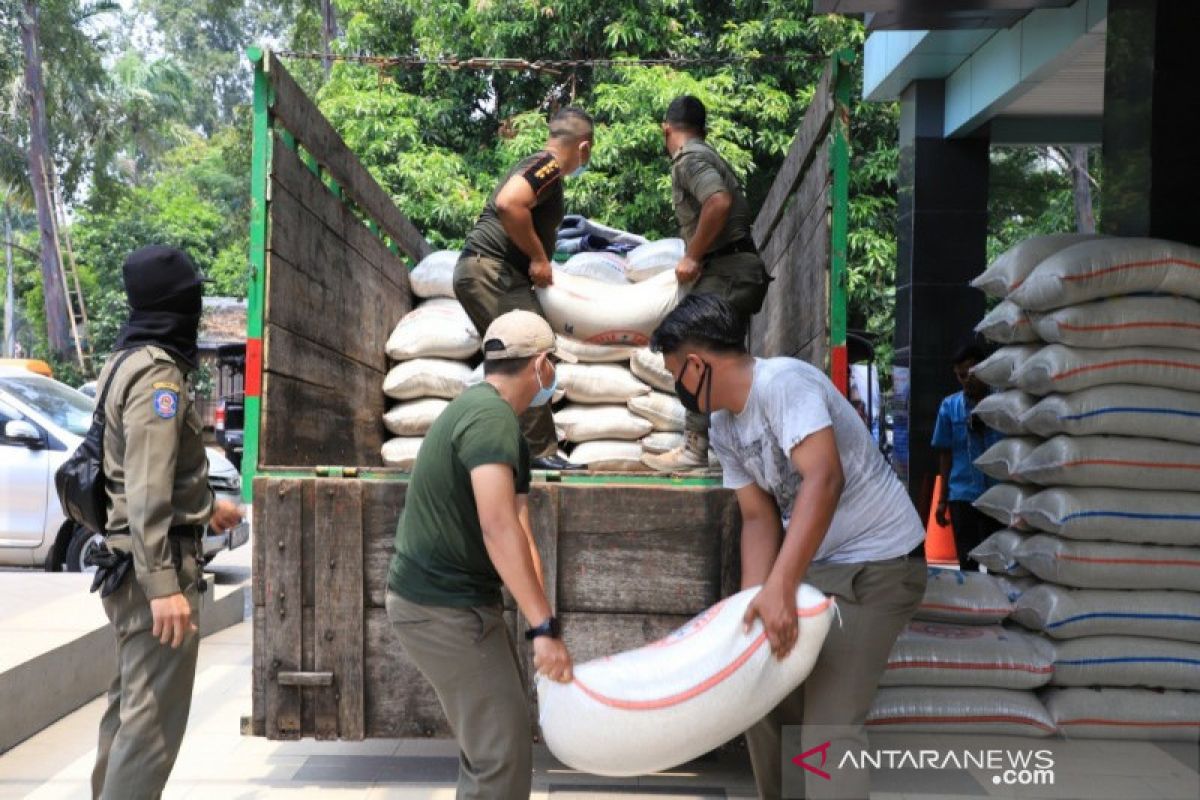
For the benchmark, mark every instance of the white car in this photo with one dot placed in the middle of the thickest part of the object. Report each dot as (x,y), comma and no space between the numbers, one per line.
(42,421)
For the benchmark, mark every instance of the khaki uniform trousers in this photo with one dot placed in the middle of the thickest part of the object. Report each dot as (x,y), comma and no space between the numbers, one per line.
(875,601)
(149,701)
(487,288)
(468,655)
(740,279)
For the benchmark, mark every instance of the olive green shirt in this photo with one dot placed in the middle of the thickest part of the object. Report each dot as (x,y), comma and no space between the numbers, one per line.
(155,468)
(440,557)
(488,237)
(697,173)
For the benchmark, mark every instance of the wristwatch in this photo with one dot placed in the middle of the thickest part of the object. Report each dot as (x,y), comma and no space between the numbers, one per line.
(549,628)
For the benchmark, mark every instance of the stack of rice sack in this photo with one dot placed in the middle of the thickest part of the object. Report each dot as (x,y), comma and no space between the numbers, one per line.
(615,404)
(434,346)
(1100,394)
(961,667)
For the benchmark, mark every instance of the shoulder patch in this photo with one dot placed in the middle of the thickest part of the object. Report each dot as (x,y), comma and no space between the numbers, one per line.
(166,402)
(542,172)
(174,387)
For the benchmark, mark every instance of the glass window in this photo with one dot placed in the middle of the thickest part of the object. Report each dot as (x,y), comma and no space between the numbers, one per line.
(62,405)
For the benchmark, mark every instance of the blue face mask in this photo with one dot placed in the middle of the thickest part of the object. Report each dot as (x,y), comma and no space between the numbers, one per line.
(544,393)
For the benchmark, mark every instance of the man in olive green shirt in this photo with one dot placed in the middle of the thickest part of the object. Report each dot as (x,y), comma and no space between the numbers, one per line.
(508,251)
(464,533)
(156,479)
(721,258)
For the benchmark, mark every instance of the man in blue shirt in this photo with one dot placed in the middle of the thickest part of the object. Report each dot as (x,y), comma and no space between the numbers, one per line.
(959,439)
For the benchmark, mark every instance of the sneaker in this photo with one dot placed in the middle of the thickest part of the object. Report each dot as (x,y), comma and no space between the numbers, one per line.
(691,456)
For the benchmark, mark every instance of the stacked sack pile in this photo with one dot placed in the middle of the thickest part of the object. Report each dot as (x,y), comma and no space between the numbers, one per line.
(1100,397)
(615,404)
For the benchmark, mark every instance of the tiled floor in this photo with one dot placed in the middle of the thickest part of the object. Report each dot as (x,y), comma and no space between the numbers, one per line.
(217,762)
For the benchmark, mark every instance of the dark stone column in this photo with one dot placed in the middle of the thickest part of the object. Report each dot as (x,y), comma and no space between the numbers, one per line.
(1151,116)
(942,245)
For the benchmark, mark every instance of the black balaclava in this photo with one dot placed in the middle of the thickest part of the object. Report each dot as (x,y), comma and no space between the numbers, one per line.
(164,291)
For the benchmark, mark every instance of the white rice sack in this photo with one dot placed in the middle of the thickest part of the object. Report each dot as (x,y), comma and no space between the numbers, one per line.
(1127,661)
(1069,613)
(649,366)
(653,258)
(965,598)
(1001,459)
(599,383)
(1118,515)
(588,423)
(937,654)
(605,313)
(610,456)
(1003,411)
(1007,323)
(1013,586)
(1000,368)
(438,328)
(434,276)
(1156,321)
(998,552)
(669,702)
(402,451)
(1122,462)
(1057,368)
(949,710)
(1120,713)
(427,377)
(1118,410)
(605,267)
(415,417)
(1005,502)
(1110,565)
(662,442)
(1109,268)
(1013,266)
(596,353)
(663,410)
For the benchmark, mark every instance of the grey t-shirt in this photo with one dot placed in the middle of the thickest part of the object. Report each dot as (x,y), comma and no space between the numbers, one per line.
(790,400)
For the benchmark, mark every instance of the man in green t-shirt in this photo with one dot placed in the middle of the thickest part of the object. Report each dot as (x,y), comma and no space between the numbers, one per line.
(508,251)
(464,533)
(720,259)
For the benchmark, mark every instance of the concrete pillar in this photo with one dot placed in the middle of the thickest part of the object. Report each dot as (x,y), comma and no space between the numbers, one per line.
(942,244)
(1151,115)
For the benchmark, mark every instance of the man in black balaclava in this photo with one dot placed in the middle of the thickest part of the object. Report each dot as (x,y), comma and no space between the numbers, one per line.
(159,503)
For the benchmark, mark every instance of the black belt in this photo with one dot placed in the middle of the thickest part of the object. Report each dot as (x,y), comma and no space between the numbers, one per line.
(743,245)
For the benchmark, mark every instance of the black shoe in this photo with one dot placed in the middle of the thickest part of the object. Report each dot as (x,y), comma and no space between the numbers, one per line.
(554,464)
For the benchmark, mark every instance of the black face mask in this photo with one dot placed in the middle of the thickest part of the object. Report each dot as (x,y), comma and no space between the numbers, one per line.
(691,401)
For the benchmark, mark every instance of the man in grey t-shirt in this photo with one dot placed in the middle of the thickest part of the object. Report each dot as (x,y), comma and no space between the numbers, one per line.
(819,505)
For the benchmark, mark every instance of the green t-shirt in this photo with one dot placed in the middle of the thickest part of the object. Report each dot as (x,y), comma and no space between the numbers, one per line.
(440,558)
(488,237)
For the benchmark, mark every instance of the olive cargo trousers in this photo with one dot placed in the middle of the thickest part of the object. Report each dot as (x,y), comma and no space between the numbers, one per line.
(148,702)
(875,600)
(487,288)
(469,658)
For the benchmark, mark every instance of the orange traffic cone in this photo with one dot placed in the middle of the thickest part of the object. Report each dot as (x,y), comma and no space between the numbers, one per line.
(939,539)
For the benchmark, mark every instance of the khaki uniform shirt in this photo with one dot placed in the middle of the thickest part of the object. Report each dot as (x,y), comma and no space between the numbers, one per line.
(155,466)
(697,173)
(488,237)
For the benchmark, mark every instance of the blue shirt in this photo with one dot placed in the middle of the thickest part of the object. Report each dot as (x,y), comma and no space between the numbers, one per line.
(952,432)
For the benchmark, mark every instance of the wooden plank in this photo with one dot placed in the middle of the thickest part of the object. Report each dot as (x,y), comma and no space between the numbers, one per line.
(259,673)
(590,636)
(309,392)
(632,550)
(338,559)
(399,701)
(326,289)
(310,679)
(812,197)
(812,131)
(281,501)
(258,555)
(383,501)
(302,118)
(289,174)
(543,520)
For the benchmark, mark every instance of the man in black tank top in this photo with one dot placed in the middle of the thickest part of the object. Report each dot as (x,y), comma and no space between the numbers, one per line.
(508,251)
